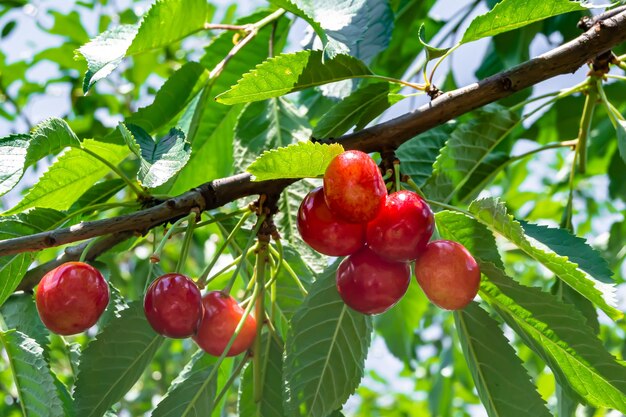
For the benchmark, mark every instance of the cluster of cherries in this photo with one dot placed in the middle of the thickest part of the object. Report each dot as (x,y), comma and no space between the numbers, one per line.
(72,297)
(352,215)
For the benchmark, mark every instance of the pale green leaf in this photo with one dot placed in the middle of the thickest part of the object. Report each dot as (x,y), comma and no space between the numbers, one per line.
(494,215)
(621,138)
(357,110)
(71,176)
(287,73)
(467,148)
(20,313)
(512,14)
(111,364)
(431,51)
(559,334)
(502,382)
(303,159)
(37,393)
(325,351)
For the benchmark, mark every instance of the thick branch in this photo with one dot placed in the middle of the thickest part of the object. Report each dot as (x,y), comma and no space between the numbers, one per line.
(387,136)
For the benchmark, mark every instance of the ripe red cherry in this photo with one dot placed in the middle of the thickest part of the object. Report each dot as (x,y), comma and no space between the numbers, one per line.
(448,274)
(353,187)
(324,231)
(71,298)
(370,284)
(402,228)
(219,321)
(173,306)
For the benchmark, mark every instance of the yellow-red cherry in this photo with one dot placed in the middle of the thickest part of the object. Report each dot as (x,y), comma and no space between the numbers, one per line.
(371,284)
(173,306)
(221,316)
(324,231)
(354,189)
(448,274)
(402,228)
(71,298)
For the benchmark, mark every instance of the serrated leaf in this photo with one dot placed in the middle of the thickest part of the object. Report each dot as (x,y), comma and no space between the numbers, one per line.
(494,215)
(13,267)
(325,351)
(559,334)
(18,152)
(300,160)
(431,51)
(287,73)
(37,392)
(575,248)
(476,238)
(502,382)
(467,148)
(357,110)
(111,364)
(418,155)
(159,160)
(20,313)
(166,22)
(191,393)
(512,14)
(483,175)
(269,124)
(271,404)
(71,176)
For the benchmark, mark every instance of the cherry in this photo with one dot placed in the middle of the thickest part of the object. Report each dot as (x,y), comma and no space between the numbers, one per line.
(371,284)
(353,187)
(71,298)
(324,231)
(448,274)
(402,228)
(173,306)
(219,321)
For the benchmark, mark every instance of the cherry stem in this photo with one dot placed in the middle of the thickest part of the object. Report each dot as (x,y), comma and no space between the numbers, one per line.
(223,270)
(396,171)
(244,254)
(290,271)
(85,252)
(585,128)
(231,380)
(415,187)
(202,280)
(214,219)
(259,308)
(191,222)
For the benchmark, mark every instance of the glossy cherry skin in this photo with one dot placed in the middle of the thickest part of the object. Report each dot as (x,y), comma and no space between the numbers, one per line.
(448,274)
(71,298)
(353,187)
(219,321)
(326,232)
(173,306)
(402,228)
(371,284)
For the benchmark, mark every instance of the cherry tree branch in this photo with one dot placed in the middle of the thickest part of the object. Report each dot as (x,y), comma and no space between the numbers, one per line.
(387,136)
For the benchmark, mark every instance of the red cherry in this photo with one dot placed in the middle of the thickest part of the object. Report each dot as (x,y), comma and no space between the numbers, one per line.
(370,284)
(402,228)
(173,306)
(448,274)
(353,187)
(219,321)
(71,298)
(324,231)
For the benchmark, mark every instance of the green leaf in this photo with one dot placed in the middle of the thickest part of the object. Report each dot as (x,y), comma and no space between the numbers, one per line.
(18,152)
(621,138)
(159,160)
(575,248)
(289,296)
(71,176)
(37,392)
(431,51)
(494,215)
(418,155)
(13,267)
(111,364)
(99,193)
(357,110)
(265,125)
(300,160)
(461,228)
(512,14)
(467,148)
(502,382)
(558,333)
(20,313)
(166,22)
(191,393)
(287,73)
(325,351)
(271,404)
